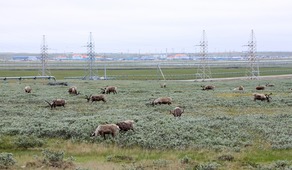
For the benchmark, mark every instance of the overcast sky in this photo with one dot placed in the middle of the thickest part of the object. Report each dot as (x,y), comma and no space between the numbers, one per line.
(144,25)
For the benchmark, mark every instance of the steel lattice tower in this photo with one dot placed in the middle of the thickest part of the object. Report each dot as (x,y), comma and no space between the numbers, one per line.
(253,71)
(203,71)
(44,58)
(89,72)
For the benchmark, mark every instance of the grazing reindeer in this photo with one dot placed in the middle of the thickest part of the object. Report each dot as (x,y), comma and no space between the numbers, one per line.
(95,98)
(177,112)
(56,102)
(239,88)
(163,85)
(73,90)
(104,129)
(27,89)
(126,125)
(270,85)
(262,97)
(208,87)
(109,89)
(162,100)
(260,87)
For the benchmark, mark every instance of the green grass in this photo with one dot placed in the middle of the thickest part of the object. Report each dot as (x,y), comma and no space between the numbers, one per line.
(149,73)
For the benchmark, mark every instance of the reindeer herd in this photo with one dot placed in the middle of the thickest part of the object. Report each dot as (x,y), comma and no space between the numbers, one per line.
(113,129)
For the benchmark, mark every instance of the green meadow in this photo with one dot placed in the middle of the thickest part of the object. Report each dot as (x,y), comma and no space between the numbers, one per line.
(147,73)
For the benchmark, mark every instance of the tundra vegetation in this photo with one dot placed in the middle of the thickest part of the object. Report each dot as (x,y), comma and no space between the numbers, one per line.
(220,129)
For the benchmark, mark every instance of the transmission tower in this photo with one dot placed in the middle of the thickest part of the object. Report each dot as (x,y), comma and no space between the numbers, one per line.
(89,72)
(203,71)
(252,71)
(44,59)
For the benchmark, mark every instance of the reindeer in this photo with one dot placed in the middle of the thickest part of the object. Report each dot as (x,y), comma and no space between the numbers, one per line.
(109,89)
(239,88)
(262,97)
(73,90)
(162,100)
(27,89)
(56,102)
(126,125)
(208,87)
(95,98)
(260,87)
(177,112)
(104,129)
(269,85)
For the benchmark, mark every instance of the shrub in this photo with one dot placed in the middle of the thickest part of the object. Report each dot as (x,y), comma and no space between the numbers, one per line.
(5,142)
(52,159)
(226,158)
(28,142)
(185,160)
(207,166)
(53,156)
(281,164)
(6,160)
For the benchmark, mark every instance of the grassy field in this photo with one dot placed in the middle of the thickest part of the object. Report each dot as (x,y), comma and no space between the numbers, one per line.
(149,73)
(220,129)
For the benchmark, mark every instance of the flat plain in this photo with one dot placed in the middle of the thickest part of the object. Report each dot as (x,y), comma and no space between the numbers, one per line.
(220,128)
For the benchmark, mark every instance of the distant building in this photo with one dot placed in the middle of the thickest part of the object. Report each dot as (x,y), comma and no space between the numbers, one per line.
(24,58)
(178,57)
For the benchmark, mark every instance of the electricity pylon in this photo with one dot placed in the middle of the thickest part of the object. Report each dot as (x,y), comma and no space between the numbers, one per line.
(203,71)
(89,71)
(253,71)
(44,59)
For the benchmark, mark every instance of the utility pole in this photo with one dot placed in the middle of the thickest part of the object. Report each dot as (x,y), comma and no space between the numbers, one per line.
(89,72)
(203,71)
(44,58)
(252,71)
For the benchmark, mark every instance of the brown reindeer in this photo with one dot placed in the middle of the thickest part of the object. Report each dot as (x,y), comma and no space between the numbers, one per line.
(177,112)
(270,85)
(262,97)
(162,100)
(109,89)
(73,90)
(56,102)
(95,98)
(104,129)
(260,87)
(126,125)
(208,87)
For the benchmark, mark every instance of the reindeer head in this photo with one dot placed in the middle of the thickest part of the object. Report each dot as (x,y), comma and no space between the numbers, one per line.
(93,134)
(51,104)
(88,97)
(103,90)
(268,97)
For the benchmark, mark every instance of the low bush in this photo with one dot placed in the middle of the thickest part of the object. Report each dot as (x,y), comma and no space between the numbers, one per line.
(28,142)
(6,160)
